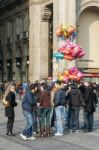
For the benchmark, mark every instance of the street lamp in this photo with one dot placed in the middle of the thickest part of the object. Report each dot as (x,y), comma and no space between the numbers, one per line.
(27,62)
(8,64)
(18,64)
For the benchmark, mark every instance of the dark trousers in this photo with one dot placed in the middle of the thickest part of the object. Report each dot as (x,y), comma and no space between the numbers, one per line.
(88,116)
(53,118)
(74,117)
(10,124)
(35,124)
(45,115)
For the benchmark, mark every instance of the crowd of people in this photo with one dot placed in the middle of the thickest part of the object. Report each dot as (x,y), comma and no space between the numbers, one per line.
(51,107)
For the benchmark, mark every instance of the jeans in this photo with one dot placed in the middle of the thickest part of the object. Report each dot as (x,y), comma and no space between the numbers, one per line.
(59,113)
(88,116)
(65,114)
(45,116)
(74,117)
(29,126)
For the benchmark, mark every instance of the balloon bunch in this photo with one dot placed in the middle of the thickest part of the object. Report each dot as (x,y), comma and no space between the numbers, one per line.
(66,32)
(71,51)
(71,74)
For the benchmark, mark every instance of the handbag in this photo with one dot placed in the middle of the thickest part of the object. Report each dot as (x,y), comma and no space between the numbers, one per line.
(5,102)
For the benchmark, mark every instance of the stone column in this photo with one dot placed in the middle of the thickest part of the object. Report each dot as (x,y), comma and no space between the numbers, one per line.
(14,49)
(4,53)
(60,16)
(44,34)
(64,13)
(72,21)
(44,50)
(72,12)
(34,42)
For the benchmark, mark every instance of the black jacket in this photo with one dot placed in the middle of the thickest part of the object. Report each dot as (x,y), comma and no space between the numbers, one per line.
(29,102)
(60,98)
(9,111)
(90,100)
(75,98)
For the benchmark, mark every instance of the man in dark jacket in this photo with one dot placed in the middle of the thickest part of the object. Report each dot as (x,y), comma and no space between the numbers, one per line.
(59,103)
(28,103)
(75,101)
(90,103)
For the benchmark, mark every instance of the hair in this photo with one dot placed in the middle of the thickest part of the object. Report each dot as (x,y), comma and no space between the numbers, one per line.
(58,82)
(74,85)
(33,86)
(8,89)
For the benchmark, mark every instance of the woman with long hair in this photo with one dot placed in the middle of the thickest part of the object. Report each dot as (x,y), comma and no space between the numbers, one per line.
(9,111)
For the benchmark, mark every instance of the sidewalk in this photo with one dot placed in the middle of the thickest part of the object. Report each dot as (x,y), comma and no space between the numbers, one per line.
(81,141)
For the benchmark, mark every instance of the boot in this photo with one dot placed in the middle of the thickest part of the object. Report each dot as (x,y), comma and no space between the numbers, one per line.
(48,131)
(42,132)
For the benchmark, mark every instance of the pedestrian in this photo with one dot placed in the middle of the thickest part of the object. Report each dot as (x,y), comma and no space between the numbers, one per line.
(1,91)
(59,103)
(45,104)
(9,111)
(75,101)
(25,87)
(82,88)
(90,103)
(29,102)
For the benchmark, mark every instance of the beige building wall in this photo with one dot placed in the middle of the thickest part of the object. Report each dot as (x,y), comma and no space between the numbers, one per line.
(88,37)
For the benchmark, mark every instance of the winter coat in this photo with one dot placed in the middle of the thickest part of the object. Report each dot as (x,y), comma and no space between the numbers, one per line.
(60,98)
(29,102)
(82,88)
(9,111)
(75,98)
(90,100)
(45,99)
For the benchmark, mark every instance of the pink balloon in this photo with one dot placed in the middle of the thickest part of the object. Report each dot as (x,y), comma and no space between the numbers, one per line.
(80,75)
(73,70)
(66,79)
(77,50)
(81,54)
(74,53)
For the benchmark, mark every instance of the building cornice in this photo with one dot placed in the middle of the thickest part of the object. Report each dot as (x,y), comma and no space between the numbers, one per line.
(39,2)
(15,12)
(7,3)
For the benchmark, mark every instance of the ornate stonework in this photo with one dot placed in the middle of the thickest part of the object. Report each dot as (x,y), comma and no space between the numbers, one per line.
(83,4)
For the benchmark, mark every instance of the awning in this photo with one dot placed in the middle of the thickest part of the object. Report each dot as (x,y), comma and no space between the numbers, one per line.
(91,74)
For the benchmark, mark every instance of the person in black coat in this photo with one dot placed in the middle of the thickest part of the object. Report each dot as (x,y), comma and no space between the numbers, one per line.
(9,111)
(90,103)
(75,101)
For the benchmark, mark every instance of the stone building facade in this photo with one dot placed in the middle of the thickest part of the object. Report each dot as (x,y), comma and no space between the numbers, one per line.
(28,40)
(14,40)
